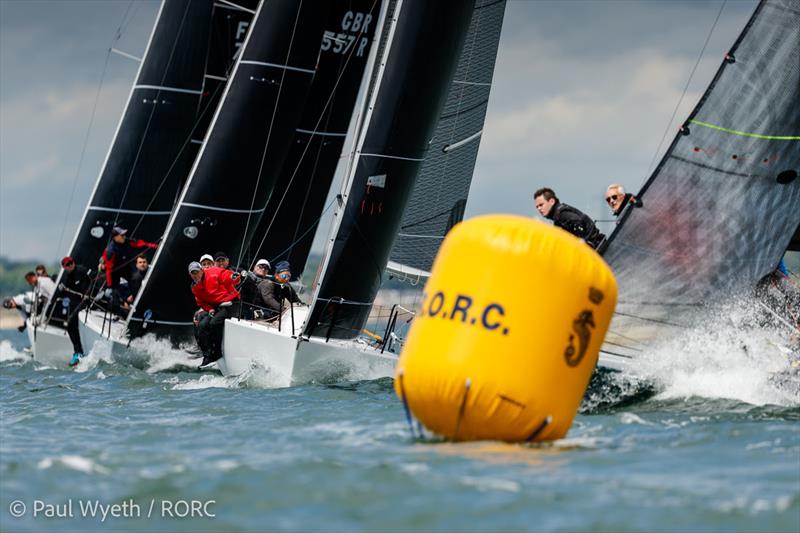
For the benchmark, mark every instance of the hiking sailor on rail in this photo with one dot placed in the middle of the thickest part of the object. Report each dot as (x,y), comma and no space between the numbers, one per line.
(73,289)
(275,292)
(116,261)
(215,291)
(567,217)
(34,301)
(617,199)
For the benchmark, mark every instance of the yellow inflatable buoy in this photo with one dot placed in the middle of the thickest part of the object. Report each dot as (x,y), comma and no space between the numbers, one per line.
(511,324)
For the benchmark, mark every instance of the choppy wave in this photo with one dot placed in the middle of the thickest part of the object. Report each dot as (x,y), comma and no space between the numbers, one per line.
(9,353)
(732,355)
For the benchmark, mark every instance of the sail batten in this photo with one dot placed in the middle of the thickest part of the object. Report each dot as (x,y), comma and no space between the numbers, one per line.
(439,197)
(235,170)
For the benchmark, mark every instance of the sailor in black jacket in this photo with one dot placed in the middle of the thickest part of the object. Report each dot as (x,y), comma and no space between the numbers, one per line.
(617,199)
(75,285)
(567,217)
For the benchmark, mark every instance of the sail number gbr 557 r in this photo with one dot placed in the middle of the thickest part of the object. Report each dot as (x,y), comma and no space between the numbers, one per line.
(461,308)
(355,27)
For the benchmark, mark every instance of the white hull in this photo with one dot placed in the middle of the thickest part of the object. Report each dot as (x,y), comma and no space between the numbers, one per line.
(291,360)
(107,340)
(50,344)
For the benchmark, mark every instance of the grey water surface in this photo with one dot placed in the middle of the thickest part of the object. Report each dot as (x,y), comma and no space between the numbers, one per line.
(687,454)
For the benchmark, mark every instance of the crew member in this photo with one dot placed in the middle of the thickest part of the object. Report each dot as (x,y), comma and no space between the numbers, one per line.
(273,293)
(116,261)
(206,260)
(117,257)
(34,301)
(567,217)
(74,288)
(215,291)
(618,199)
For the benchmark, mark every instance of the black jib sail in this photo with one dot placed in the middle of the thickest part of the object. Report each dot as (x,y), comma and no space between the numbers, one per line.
(229,25)
(151,153)
(293,212)
(424,43)
(441,190)
(723,204)
(241,157)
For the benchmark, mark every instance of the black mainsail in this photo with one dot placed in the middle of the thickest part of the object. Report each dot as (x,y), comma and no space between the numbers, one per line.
(723,204)
(151,153)
(423,45)
(293,212)
(240,159)
(441,189)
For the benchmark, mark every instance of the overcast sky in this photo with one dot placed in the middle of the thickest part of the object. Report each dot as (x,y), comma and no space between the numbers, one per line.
(583,93)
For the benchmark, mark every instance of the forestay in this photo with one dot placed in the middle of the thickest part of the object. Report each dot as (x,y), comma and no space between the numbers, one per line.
(724,202)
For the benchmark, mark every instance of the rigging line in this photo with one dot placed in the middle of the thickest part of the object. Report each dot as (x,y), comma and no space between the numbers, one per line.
(685,89)
(269,131)
(418,222)
(152,112)
(300,238)
(178,157)
(316,126)
(117,35)
(622,346)
(646,319)
(745,134)
(457,114)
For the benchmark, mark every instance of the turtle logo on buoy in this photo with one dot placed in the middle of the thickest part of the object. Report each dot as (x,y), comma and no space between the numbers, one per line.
(581,327)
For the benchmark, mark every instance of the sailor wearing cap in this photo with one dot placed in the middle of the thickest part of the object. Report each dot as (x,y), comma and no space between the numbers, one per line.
(215,291)
(206,261)
(118,257)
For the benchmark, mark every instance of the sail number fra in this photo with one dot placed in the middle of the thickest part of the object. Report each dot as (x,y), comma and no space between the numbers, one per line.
(355,27)
(461,308)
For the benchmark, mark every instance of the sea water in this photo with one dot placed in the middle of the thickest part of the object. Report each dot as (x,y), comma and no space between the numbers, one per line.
(704,440)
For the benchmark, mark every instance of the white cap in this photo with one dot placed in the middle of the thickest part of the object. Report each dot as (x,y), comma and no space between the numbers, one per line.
(263,262)
(206,256)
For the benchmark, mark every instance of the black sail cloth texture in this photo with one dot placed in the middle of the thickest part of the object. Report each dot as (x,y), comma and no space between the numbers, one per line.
(236,169)
(421,61)
(229,25)
(440,192)
(287,227)
(151,154)
(723,204)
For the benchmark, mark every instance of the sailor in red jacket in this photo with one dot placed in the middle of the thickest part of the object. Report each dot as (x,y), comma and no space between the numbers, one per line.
(118,257)
(215,291)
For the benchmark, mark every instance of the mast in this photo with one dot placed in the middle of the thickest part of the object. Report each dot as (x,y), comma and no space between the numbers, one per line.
(723,204)
(410,88)
(293,212)
(440,193)
(240,159)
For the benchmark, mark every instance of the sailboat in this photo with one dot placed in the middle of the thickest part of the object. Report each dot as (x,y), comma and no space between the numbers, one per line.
(155,142)
(402,134)
(232,176)
(723,205)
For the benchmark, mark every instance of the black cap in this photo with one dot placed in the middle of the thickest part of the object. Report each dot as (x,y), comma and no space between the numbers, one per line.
(220,255)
